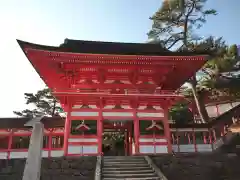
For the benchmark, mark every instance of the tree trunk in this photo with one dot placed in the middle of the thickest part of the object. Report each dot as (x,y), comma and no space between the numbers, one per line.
(199,101)
(193,82)
(54,108)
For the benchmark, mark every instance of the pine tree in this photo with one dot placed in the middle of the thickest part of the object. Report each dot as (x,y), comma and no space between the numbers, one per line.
(44,104)
(174,24)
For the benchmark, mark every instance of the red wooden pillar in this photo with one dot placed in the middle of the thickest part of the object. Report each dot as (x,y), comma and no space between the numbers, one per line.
(100,127)
(194,140)
(126,141)
(10,143)
(130,140)
(136,131)
(67,128)
(99,134)
(167,130)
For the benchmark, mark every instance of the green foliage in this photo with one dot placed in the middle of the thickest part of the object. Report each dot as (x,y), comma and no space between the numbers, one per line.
(180,113)
(44,103)
(113,136)
(218,72)
(175,21)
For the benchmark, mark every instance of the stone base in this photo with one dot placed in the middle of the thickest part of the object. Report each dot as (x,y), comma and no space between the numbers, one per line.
(77,168)
(199,166)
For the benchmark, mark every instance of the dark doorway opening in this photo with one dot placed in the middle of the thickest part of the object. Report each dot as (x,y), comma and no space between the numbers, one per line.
(117,139)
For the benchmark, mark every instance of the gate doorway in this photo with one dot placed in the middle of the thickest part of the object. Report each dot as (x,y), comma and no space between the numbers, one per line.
(117,138)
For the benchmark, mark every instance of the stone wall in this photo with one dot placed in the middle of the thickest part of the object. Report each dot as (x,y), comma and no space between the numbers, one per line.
(78,168)
(199,166)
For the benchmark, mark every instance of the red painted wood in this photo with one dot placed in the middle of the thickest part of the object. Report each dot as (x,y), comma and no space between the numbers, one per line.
(10,143)
(83,136)
(136,131)
(67,130)
(81,79)
(82,143)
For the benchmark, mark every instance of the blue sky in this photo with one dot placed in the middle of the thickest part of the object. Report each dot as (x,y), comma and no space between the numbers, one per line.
(51,21)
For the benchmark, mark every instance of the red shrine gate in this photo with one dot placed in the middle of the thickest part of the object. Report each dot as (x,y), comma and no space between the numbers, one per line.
(98,81)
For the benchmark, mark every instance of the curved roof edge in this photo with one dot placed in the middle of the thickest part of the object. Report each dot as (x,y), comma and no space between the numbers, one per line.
(117,48)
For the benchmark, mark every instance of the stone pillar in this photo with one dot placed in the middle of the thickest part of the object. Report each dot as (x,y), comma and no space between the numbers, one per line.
(32,169)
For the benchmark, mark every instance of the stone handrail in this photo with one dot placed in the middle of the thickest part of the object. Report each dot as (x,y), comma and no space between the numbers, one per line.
(98,169)
(155,168)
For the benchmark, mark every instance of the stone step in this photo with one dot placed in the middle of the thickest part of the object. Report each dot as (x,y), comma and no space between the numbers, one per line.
(132,178)
(123,160)
(125,168)
(131,168)
(136,175)
(126,165)
(123,157)
(128,171)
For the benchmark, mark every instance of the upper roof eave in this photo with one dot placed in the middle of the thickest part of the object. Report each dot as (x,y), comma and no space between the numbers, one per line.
(97,47)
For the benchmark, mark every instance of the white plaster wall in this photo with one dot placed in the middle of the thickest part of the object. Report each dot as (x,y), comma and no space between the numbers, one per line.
(57,153)
(82,149)
(212,111)
(75,113)
(159,114)
(150,149)
(204,147)
(82,140)
(14,155)
(3,155)
(152,140)
(44,153)
(146,149)
(90,149)
(120,114)
(186,148)
(222,108)
(161,149)
(74,149)
(235,103)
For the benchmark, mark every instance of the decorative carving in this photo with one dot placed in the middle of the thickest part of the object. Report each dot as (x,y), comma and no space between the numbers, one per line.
(82,127)
(154,127)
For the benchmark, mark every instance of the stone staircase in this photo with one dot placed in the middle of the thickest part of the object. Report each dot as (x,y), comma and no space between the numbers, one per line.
(127,167)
